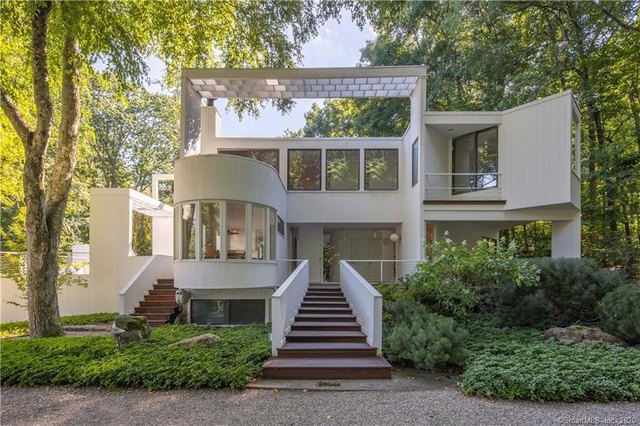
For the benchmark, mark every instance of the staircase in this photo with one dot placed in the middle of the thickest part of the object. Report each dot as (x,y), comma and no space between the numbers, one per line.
(326,342)
(159,304)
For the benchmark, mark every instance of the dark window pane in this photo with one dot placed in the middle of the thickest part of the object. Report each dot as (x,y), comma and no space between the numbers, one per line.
(205,311)
(381,169)
(280,226)
(487,156)
(268,156)
(236,152)
(304,169)
(188,231)
(343,169)
(464,163)
(210,230)
(246,311)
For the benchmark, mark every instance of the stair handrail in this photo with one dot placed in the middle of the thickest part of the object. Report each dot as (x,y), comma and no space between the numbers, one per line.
(285,303)
(365,302)
(157,266)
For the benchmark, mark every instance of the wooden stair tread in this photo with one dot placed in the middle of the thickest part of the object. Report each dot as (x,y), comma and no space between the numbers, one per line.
(325,333)
(326,345)
(336,324)
(327,317)
(332,363)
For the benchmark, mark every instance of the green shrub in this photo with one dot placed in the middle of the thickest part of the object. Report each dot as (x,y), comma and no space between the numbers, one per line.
(569,291)
(152,364)
(514,363)
(454,277)
(21,328)
(423,339)
(620,312)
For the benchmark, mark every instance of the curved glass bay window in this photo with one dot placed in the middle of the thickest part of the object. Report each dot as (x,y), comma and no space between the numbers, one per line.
(225,230)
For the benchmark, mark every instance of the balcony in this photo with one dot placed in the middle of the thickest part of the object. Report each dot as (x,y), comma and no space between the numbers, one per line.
(463,187)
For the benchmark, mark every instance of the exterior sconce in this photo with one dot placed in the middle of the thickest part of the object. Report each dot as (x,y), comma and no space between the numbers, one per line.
(394,237)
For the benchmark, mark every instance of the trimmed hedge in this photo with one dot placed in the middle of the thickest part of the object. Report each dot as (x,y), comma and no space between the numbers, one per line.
(152,364)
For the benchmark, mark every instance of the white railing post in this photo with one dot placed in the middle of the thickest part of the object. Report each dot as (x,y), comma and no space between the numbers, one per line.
(366,303)
(285,303)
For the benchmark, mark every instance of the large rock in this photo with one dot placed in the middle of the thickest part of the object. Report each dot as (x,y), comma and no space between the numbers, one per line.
(204,340)
(128,329)
(582,335)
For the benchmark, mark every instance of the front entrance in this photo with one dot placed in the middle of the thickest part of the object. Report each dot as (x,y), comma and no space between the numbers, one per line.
(370,244)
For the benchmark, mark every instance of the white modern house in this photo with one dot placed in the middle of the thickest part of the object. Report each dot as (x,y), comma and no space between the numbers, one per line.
(255,220)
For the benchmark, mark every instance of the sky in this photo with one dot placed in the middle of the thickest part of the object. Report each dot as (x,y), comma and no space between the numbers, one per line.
(337,45)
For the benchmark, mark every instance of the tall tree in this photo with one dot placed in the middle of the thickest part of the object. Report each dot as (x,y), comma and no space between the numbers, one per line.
(55,46)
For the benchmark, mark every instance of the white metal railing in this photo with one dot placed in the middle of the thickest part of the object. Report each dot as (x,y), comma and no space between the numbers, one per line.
(157,266)
(285,303)
(70,262)
(365,302)
(445,185)
(377,271)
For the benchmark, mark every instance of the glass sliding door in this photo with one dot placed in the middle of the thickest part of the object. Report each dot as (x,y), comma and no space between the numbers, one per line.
(464,163)
(475,161)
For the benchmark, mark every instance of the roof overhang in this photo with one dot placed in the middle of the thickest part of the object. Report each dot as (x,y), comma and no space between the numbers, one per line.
(146,205)
(300,83)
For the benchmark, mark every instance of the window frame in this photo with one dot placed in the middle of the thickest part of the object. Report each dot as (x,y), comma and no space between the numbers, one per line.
(326,168)
(248,151)
(320,182)
(397,177)
(475,157)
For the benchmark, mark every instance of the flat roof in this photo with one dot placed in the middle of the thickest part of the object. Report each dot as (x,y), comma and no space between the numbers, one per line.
(300,83)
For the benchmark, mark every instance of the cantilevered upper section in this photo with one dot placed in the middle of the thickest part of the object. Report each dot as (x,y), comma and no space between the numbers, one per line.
(300,83)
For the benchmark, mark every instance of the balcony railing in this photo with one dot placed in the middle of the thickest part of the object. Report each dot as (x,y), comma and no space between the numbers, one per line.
(446,186)
(377,271)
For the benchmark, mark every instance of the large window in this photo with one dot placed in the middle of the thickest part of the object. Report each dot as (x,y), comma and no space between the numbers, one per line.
(258,248)
(210,240)
(475,161)
(381,169)
(188,231)
(225,230)
(236,231)
(268,156)
(343,169)
(304,169)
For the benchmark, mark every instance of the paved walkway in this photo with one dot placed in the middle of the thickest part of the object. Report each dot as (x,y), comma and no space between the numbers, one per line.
(414,398)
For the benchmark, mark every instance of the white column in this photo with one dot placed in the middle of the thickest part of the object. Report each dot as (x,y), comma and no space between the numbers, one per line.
(566,238)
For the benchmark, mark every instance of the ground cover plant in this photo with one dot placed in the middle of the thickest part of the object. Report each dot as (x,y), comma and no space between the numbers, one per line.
(514,363)
(21,328)
(153,364)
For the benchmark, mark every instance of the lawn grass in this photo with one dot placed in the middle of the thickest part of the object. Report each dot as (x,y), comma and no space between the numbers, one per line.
(21,328)
(152,364)
(515,363)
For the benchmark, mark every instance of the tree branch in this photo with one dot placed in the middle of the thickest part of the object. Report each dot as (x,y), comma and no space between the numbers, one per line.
(41,92)
(66,152)
(18,122)
(616,19)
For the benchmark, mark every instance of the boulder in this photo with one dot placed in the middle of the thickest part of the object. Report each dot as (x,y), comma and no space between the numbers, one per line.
(202,340)
(128,329)
(582,335)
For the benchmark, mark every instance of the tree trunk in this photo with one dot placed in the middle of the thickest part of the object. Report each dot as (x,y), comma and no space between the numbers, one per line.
(45,207)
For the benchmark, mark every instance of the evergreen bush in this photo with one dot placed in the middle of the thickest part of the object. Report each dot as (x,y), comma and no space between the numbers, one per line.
(620,312)
(570,291)
(421,338)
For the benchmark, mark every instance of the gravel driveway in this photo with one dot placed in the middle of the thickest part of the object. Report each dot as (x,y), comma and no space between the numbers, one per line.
(437,405)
